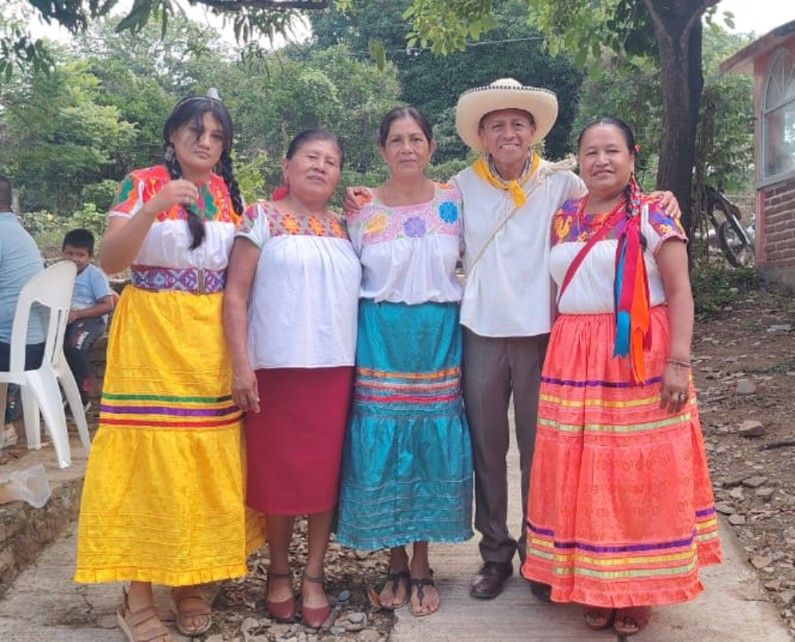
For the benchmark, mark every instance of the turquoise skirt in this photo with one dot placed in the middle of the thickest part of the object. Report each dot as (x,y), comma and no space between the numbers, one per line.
(407,461)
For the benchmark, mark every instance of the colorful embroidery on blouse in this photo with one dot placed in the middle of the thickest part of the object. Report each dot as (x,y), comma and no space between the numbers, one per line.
(284,223)
(378,223)
(141,185)
(571,226)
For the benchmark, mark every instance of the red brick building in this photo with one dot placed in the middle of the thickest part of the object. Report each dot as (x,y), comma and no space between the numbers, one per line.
(771,60)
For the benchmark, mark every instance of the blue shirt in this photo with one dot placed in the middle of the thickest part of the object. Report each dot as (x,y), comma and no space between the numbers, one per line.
(20,260)
(90,286)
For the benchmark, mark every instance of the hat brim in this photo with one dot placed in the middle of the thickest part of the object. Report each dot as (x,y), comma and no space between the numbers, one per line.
(474,104)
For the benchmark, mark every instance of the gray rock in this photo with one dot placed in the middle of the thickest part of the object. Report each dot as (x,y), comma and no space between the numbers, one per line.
(780,327)
(370,635)
(357,617)
(745,387)
(724,508)
(754,482)
(344,596)
(736,519)
(760,561)
(279,630)
(736,493)
(764,493)
(751,428)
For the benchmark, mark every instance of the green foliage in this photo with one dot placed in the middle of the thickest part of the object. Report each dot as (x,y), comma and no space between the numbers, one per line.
(716,286)
(433,83)
(62,136)
(48,229)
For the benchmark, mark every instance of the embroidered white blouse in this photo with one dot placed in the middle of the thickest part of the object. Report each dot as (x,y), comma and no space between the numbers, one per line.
(409,252)
(167,243)
(304,298)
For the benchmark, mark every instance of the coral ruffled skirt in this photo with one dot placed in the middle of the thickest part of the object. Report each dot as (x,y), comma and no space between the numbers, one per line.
(621,509)
(163,499)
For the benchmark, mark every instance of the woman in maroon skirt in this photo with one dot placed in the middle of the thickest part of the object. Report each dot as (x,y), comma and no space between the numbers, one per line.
(290,322)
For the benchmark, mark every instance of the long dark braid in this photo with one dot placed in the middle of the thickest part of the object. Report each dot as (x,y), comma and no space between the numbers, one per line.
(192,109)
(195,225)
(226,172)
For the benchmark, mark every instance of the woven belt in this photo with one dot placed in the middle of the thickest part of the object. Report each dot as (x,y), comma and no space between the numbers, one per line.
(196,280)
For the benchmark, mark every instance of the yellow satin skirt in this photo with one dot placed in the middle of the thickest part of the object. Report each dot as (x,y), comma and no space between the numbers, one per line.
(163,498)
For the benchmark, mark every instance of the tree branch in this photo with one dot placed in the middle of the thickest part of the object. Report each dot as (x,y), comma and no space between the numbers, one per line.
(271,5)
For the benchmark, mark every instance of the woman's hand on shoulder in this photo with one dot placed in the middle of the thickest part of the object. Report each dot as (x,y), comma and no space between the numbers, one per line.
(668,202)
(176,192)
(245,391)
(356,197)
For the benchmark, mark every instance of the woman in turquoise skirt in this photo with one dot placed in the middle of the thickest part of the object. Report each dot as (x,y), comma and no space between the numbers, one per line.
(407,462)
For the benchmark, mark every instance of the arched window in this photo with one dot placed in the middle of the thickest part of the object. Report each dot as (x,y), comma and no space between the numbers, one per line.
(778,118)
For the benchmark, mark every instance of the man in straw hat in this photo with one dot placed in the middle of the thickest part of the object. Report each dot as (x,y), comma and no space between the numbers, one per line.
(510,195)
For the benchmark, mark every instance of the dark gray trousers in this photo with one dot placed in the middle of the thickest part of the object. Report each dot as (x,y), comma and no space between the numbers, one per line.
(493,370)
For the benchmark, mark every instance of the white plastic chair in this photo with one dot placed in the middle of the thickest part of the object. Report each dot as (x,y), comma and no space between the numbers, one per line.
(52,289)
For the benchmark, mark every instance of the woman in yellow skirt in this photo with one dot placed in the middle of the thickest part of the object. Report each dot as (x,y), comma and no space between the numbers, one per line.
(163,500)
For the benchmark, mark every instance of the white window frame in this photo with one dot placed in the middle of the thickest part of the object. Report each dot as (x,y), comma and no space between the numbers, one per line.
(783,56)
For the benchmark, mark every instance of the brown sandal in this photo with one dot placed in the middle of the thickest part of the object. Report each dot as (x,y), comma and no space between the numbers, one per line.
(184,614)
(131,623)
(598,618)
(632,620)
(396,578)
(421,583)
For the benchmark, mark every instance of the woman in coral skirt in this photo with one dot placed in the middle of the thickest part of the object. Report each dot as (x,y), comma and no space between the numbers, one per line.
(620,515)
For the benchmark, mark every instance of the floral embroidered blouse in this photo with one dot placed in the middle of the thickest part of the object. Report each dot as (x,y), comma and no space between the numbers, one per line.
(168,241)
(591,288)
(409,252)
(304,298)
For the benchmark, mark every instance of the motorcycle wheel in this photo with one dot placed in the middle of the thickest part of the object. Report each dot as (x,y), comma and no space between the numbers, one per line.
(735,245)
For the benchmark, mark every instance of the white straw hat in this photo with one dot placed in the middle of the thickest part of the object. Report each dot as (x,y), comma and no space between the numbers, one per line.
(505,93)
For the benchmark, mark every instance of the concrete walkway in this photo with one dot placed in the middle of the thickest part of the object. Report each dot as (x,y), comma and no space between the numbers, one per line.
(44,605)
(733,608)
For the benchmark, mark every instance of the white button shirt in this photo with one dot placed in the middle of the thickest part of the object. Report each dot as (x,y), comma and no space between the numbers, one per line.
(508,291)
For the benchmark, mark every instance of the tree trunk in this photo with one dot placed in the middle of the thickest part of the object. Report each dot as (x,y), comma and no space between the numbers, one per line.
(677,27)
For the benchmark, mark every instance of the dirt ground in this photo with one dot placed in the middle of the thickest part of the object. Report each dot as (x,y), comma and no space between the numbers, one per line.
(744,368)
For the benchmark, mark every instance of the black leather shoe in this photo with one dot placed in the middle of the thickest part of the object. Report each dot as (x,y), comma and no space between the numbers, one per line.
(489,581)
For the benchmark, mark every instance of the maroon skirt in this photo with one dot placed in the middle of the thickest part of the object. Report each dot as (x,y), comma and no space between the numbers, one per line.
(294,444)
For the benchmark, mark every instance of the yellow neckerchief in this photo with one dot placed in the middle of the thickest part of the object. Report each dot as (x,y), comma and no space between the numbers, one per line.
(514,186)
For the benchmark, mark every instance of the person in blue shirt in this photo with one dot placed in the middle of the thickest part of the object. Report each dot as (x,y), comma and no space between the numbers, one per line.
(20,260)
(92,300)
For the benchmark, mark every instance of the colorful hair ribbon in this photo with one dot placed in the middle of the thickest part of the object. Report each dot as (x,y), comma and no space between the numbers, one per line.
(631,291)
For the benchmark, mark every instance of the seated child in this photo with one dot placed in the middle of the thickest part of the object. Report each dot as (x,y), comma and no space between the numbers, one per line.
(92,299)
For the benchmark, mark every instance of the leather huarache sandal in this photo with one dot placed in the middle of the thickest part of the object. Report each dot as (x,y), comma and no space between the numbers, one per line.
(598,618)
(632,620)
(132,623)
(395,579)
(421,583)
(192,614)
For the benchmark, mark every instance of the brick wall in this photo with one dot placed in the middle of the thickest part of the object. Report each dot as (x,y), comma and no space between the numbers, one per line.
(779,232)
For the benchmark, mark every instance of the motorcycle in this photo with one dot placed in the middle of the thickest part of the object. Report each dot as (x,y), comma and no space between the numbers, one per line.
(735,240)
